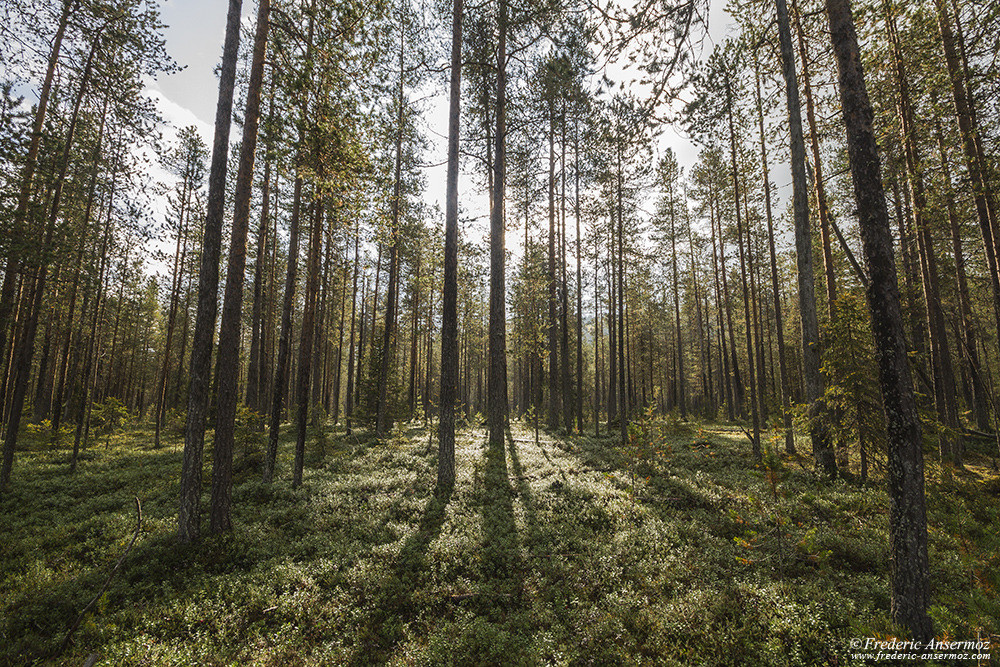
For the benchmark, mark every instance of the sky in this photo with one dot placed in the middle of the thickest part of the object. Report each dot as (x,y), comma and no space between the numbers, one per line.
(194,37)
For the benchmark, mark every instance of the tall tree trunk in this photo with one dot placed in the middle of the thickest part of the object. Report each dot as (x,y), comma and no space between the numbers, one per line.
(383,416)
(414,331)
(340,336)
(189,515)
(497,408)
(907,514)
(680,384)
(449,314)
(71,340)
(821,205)
(612,384)
(567,382)
(85,384)
(551,280)
(161,391)
(306,339)
(726,385)
(257,329)
(978,401)
(16,230)
(738,388)
(811,376)
(748,316)
(349,399)
(26,346)
(281,372)
(943,375)
(623,404)
(579,279)
(976,161)
(232,307)
(775,286)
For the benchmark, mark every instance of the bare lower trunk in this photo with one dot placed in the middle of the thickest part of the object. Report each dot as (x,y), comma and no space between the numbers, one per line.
(907,515)
(449,315)
(189,514)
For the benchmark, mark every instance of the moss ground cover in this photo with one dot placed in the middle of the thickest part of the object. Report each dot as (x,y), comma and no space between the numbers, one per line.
(675,550)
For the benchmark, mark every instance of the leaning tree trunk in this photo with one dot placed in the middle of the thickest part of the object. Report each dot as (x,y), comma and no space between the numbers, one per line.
(8,288)
(26,347)
(942,373)
(811,375)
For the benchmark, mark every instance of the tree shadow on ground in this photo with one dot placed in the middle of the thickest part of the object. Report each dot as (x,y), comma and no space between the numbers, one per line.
(501,566)
(394,603)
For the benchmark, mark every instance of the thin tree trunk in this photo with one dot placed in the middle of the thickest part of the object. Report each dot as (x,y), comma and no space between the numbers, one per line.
(748,317)
(349,400)
(821,204)
(26,346)
(306,340)
(579,281)
(449,315)
(161,392)
(978,401)
(726,386)
(553,379)
(337,380)
(943,375)
(497,408)
(257,330)
(383,416)
(16,230)
(775,286)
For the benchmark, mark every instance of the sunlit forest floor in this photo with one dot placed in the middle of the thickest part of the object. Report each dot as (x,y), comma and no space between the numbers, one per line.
(677,551)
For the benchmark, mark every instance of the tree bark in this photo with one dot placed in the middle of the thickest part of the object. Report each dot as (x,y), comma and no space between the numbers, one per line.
(811,375)
(306,339)
(449,314)
(775,286)
(189,515)
(497,408)
(232,307)
(907,515)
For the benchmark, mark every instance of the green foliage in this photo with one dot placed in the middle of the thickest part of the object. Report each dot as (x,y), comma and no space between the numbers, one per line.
(109,416)
(543,554)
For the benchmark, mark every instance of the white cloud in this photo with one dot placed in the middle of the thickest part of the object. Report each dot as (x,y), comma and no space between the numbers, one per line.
(176,116)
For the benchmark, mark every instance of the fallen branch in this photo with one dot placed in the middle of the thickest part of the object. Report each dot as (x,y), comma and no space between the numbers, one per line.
(107,582)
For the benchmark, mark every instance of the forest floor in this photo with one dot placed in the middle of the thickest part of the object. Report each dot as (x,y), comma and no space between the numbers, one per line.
(678,550)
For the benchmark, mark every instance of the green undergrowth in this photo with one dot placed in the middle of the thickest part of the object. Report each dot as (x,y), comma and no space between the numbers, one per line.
(676,550)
